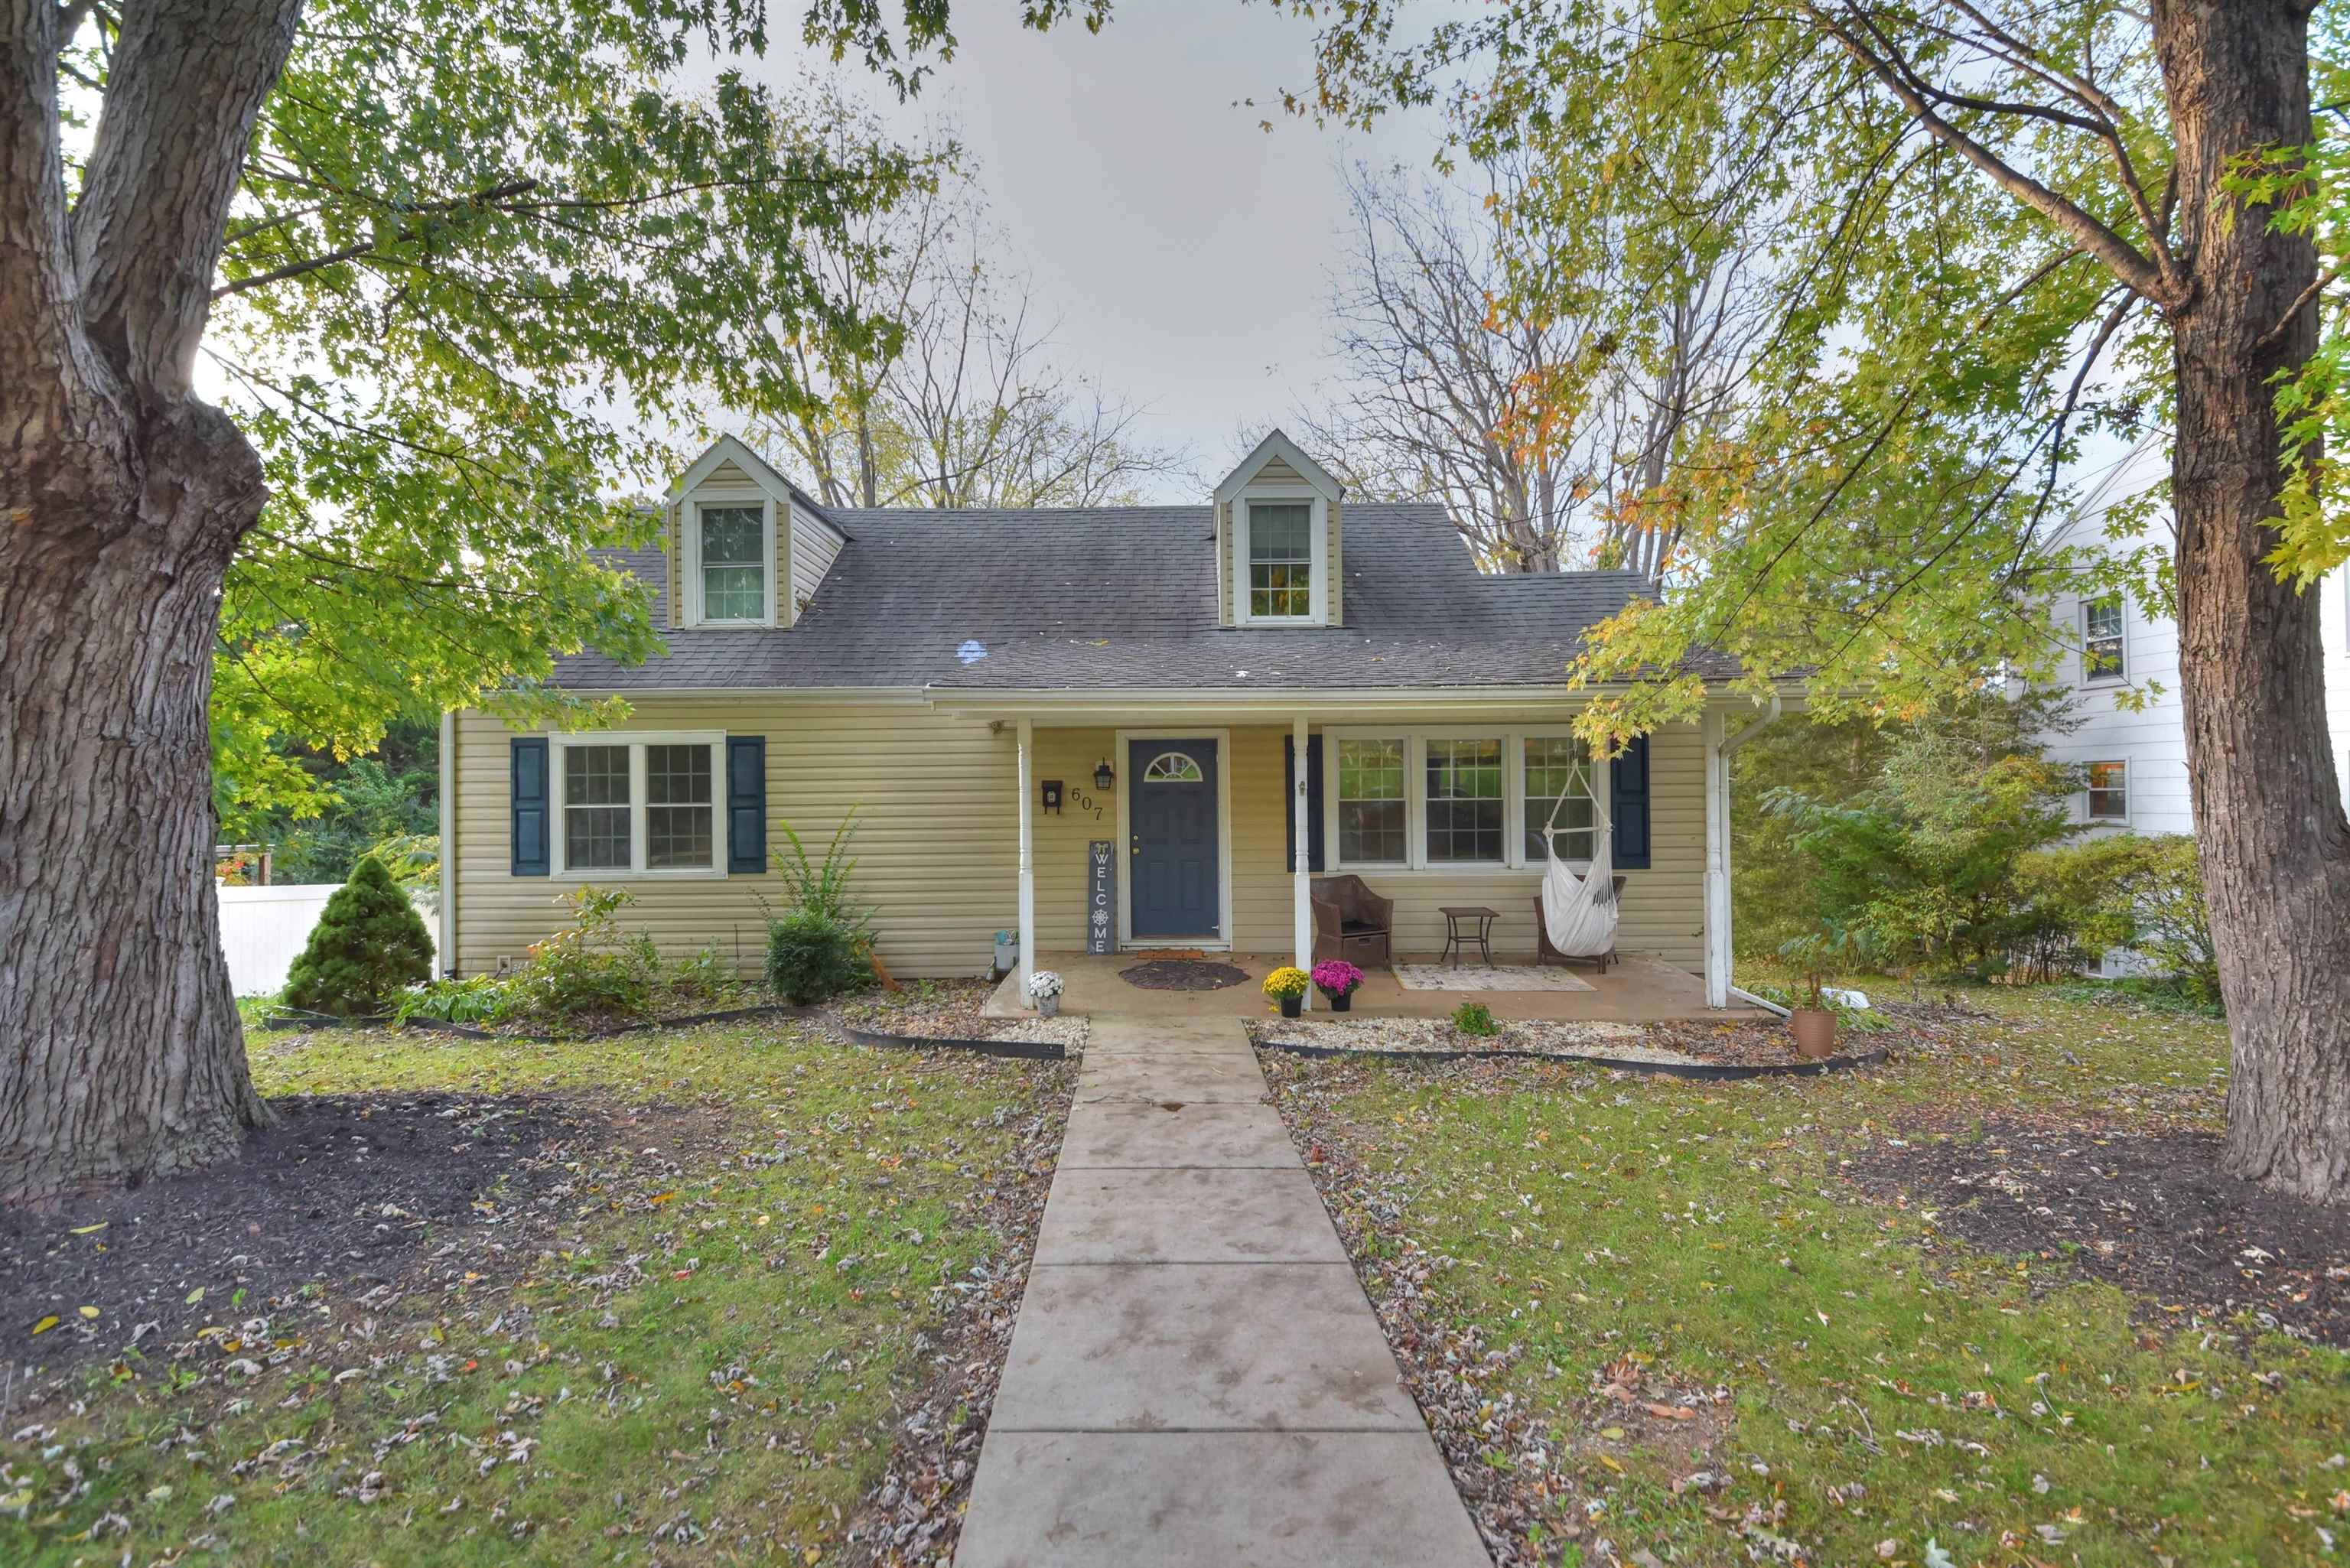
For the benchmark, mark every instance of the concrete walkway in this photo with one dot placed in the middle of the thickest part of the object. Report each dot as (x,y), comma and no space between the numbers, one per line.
(1196,1377)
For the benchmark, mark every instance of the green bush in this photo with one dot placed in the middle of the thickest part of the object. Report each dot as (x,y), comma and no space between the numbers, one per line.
(590,968)
(821,947)
(478,999)
(1474,1018)
(369,944)
(2142,892)
(814,956)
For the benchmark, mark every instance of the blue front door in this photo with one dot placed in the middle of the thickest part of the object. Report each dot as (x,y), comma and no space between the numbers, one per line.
(1174,860)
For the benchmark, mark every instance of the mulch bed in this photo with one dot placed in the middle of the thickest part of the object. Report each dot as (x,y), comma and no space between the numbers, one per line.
(345,1192)
(1182,975)
(2149,1211)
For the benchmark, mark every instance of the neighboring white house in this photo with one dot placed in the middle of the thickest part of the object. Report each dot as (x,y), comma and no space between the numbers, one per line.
(2137,757)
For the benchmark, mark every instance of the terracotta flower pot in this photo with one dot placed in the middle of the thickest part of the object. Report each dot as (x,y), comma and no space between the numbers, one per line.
(1292,1006)
(1815,1029)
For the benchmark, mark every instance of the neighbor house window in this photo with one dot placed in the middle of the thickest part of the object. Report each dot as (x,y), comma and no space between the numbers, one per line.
(734,562)
(1281,559)
(2109,792)
(641,803)
(2101,640)
(1558,778)
(1465,803)
(1372,829)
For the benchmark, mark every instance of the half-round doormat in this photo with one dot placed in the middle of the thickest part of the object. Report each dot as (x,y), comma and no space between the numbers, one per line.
(1182,975)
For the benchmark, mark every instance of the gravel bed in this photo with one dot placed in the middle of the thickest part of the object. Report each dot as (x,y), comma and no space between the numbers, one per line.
(1619,1041)
(949,1010)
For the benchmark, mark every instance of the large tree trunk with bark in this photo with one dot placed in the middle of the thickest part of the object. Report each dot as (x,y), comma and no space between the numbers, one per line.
(123,497)
(2268,805)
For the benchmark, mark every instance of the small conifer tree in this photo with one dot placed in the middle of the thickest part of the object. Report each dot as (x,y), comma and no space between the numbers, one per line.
(369,942)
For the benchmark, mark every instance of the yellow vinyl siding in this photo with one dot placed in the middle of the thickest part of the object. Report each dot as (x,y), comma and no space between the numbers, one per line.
(935,844)
(937,851)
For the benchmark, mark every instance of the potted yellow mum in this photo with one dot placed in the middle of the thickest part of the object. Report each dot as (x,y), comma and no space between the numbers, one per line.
(1286,985)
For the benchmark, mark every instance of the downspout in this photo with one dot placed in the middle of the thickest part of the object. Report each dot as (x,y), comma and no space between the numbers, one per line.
(449,844)
(1719,988)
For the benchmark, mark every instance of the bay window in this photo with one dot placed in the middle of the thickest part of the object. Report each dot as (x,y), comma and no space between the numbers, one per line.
(632,805)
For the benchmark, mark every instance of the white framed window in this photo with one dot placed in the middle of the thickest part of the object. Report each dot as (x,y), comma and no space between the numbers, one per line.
(1449,799)
(639,804)
(728,558)
(1281,546)
(2103,655)
(1558,778)
(2109,799)
(1465,815)
(1373,807)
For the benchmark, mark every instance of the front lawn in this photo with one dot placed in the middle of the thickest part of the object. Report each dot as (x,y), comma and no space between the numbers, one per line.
(674,1297)
(1989,1304)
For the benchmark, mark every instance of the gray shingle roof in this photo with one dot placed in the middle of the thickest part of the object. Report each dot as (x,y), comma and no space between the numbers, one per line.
(1124,597)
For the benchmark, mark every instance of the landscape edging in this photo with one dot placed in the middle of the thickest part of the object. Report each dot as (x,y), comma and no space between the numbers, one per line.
(1714,1071)
(1025,1050)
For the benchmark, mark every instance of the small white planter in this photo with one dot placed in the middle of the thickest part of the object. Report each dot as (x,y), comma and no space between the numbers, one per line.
(1048,1006)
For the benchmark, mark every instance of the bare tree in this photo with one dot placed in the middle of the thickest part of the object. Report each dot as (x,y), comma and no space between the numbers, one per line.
(964,404)
(1550,439)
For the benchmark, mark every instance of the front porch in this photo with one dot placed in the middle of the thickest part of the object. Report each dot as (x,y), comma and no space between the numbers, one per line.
(1637,991)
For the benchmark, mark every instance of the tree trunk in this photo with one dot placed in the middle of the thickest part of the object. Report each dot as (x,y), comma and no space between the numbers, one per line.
(125,1056)
(123,498)
(2268,806)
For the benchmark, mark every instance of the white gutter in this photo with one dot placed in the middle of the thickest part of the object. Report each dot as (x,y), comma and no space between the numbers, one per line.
(1718,988)
(449,844)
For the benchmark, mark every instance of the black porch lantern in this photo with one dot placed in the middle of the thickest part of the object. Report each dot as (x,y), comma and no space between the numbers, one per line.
(1103,777)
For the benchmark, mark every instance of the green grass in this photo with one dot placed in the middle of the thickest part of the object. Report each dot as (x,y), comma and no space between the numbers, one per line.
(1578,1219)
(696,1369)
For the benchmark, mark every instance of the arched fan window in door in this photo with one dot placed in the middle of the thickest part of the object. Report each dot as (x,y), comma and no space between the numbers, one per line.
(1172,768)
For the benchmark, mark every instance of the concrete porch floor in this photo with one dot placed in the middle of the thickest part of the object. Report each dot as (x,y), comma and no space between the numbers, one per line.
(1635,991)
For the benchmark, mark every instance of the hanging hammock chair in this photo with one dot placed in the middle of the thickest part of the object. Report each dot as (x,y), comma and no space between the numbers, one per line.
(1578,913)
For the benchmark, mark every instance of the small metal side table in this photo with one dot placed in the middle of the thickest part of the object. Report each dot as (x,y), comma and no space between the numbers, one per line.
(1458,934)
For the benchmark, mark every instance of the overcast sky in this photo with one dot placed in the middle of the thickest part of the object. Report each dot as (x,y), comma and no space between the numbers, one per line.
(1184,250)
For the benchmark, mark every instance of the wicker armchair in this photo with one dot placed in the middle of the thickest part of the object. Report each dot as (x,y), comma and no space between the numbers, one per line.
(1351,922)
(1545,953)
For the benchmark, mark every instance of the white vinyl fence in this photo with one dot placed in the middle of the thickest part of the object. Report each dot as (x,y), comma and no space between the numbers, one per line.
(262,929)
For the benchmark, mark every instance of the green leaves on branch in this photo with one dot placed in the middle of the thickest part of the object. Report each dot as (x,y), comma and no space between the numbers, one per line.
(479,252)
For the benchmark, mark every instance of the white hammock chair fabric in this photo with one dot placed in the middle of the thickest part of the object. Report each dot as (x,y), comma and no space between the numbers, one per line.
(1579,912)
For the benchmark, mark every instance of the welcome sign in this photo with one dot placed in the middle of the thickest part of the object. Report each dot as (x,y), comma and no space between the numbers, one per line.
(1101,928)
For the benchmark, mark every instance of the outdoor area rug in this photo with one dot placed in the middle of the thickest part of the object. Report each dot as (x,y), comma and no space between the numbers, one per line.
(1486,977)
(1182,975)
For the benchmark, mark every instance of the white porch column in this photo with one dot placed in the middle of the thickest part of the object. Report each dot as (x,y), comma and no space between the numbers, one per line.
(1716,863)
(1302,863)
(1028,853)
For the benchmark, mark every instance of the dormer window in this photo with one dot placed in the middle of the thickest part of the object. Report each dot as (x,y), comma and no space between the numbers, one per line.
(1276,520)
(1281,560)
(735,539)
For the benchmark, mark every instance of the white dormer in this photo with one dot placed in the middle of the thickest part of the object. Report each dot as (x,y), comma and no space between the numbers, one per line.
(745,548)
(1277,539)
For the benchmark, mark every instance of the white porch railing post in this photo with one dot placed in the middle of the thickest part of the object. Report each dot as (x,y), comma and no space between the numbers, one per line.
(1027,854)
(1303,864)
(1716,863)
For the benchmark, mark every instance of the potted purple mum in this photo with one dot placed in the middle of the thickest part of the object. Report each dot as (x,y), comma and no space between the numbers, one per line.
(1336,978)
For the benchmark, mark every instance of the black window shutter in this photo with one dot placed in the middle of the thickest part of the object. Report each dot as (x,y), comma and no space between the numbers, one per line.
(746,805)
(1628,783)
(1313,801)
(529,801)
